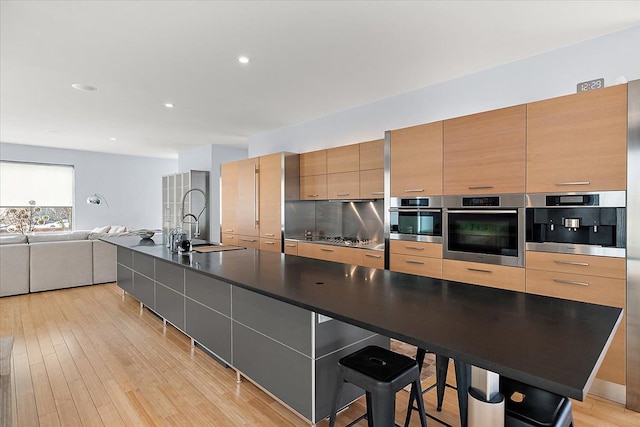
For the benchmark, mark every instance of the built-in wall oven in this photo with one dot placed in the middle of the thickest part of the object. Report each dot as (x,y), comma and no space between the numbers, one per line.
(416,219)
(577,223)
(487,229)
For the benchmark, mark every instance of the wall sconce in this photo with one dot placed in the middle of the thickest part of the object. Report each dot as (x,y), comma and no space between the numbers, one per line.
(96,199)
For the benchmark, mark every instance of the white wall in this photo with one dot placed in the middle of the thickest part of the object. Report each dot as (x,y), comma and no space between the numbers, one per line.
(132,185)
(539,77)
(209,158)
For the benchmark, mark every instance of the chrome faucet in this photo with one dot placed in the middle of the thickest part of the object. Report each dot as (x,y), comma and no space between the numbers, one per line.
(197,218)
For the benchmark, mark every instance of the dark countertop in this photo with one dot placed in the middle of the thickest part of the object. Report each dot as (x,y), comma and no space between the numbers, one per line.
(550,343)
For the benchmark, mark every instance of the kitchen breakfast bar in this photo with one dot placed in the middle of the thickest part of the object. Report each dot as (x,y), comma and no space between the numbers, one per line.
(283,321)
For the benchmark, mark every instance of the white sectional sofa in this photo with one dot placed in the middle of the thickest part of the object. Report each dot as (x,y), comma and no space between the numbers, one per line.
(42,262)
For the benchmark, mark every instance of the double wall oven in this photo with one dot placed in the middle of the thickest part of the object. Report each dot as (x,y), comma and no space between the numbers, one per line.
(487,229)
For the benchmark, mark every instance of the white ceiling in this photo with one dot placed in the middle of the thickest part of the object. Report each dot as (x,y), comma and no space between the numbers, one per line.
(308,59)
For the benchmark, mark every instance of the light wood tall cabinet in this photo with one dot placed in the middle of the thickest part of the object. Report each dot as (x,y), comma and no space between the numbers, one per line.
(229,208)
(416,161)
(578,142)
(485,152)
(252,197)
(271,171)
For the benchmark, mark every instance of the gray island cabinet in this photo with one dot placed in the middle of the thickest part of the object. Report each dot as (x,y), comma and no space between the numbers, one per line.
(289,351)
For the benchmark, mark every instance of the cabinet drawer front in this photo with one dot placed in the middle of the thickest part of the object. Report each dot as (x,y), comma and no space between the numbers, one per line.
(373,259)
(291,247)
(229,228)
(578,264)
(229,239)
(249,241)
(271,245)
(330,253)
(343,185)
(495,276)
(431,250)
(577,287)
(270,233)
(411,264)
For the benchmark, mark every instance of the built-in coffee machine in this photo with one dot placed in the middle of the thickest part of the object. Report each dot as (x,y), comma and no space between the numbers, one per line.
(580,223)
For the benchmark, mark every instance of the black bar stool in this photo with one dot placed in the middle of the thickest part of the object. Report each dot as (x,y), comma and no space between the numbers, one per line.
(463,381)
(529,406)
(381,373)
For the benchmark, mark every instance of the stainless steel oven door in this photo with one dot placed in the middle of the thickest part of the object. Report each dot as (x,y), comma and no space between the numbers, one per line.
(490,236)
(416,224)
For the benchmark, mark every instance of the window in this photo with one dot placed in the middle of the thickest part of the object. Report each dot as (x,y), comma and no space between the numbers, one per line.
(35,197)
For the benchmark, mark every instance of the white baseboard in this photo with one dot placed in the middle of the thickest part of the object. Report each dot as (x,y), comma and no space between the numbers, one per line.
(609,390)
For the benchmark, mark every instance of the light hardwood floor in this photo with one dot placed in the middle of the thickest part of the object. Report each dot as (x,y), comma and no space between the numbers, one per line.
(90,356)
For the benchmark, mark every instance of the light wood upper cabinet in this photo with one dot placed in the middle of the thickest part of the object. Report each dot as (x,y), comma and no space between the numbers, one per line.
(248,197)
(313,163)
(485,152)
(344,185)
(578,142)
(270,178)
(229,198)
(372,184)
(416,161)
(343,159)
(313,187)
(372,155)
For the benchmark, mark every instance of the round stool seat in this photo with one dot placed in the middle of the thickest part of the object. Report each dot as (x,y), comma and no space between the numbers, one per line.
(380,373)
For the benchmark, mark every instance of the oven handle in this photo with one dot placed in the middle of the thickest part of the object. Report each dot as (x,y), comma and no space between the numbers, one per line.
(482,211)
(412,210)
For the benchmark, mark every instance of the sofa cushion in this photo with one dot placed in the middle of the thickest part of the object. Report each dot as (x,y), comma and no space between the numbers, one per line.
(101,230)
(14,269)
(58,237)
(115,229)
(62,264)
(13,239)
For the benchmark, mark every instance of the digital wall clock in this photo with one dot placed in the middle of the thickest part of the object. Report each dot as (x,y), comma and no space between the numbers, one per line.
(590,85)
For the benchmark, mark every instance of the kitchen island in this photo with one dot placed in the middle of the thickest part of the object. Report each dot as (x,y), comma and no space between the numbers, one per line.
(274,328)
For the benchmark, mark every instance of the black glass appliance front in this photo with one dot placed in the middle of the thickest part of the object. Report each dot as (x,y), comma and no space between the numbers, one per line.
(491,233)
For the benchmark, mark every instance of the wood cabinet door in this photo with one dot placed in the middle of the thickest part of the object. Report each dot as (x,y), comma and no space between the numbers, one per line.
(229,197)
(313,187)
(485,152)
(372,184)
(416,161)
(248,195)
(372,155)
(344,185)
(313,163)
(419,265)
(578,142)
(590,289)
(270,212)
(343,159)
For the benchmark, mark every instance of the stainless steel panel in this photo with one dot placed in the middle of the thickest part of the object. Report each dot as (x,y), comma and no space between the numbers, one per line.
(387,200)
(516,200)
(415,238)
(567,248)
(434,202)
(608,199)
(633,248)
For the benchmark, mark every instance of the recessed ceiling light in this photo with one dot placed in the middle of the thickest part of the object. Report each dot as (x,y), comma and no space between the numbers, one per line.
(113,138)
(243,59)
(169,105)
(84,88)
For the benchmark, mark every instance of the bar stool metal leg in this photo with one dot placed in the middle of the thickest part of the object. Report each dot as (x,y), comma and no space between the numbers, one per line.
(442,368)
(336,401)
